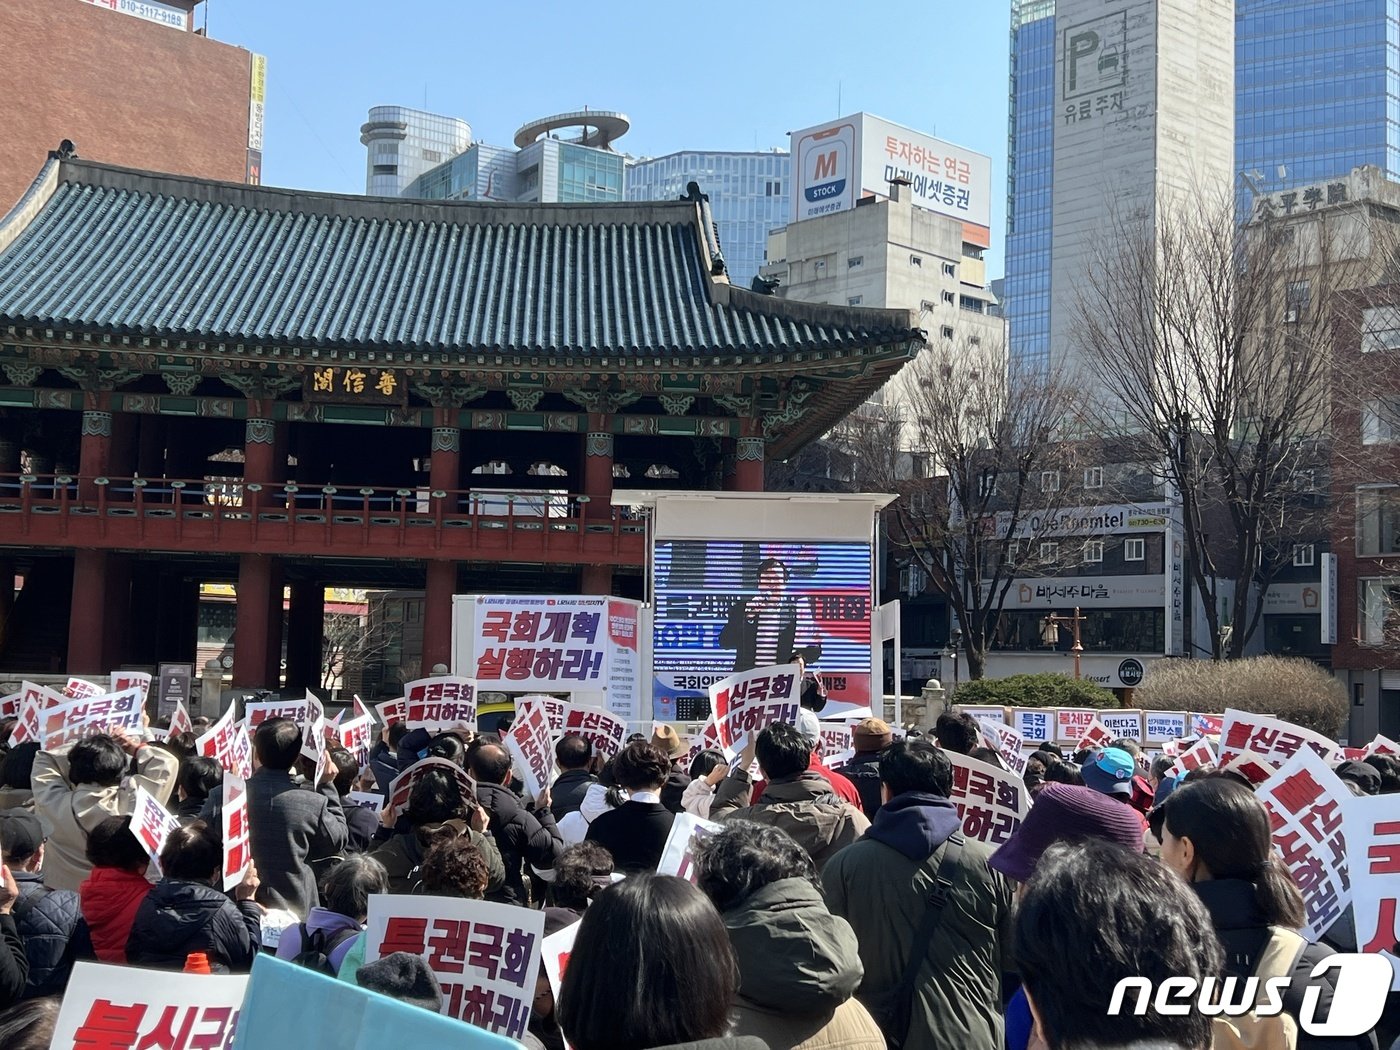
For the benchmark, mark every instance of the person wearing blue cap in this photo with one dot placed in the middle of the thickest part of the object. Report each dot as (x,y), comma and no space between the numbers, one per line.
(1110,771)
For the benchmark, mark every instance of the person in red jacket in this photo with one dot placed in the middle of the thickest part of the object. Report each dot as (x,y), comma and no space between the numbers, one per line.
(115,888)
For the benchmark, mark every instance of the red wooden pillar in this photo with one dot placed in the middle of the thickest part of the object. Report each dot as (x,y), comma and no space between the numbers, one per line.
(253,624)
(95,452)
(445,467)
(87,633)
(748,461)
(437,615)
(260,453)
(598,465)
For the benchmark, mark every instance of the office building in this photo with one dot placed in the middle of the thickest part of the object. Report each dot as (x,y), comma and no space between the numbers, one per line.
(544,167)
(1313,100)
(128,84)
(1315,92)
(404,143)
(749,197)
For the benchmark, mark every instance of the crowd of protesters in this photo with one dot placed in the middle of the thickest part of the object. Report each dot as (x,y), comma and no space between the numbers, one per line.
(832,909)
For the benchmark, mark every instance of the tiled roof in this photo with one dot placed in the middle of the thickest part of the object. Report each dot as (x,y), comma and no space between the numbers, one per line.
(104,250)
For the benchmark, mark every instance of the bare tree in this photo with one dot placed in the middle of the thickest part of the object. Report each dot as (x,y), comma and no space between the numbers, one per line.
(1212,344)
(979,462)
(349,642)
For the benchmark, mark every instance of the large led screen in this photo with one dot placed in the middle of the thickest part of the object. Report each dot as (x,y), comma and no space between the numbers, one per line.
(727,605)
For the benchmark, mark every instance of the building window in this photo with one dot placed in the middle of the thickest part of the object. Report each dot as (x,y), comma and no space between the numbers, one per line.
(915,260)
(1093,552)
(819,265)
(1093,477)
(386,169)
(1380,600)
(987,484)
(1298,295)
(854,261)
(976,306)
(1380,420)
(1049,552)
(947,332)
(1303,555)
(1049,481)
(949,298)
(1380,329)
(1378,521)
(1135,549)
(1305,480)
(853,301)
(949,270)
(926,307)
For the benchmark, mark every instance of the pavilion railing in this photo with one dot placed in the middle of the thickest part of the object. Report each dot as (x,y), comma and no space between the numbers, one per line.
(293,511)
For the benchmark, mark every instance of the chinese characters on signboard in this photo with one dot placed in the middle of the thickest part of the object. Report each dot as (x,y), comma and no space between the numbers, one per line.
(348,384)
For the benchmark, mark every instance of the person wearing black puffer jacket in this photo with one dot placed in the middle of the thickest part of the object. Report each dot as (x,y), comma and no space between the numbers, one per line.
(522,836)
(184,913)
(1215,834)
(49,921)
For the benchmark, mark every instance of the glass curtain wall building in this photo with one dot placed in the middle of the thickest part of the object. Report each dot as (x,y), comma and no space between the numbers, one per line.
(404,143)
(1317,93)
(1030,174)
(748,197)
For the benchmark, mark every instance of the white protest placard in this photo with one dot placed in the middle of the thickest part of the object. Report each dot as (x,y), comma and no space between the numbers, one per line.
(678,855)
(534,643)
(1206,724)
(368,799)
(227,743)
(602,728)
(486,956)
(391,711)
(34,701)
(299,711)
(1122,725)
(1382,745)
(1071,723)
(441,703)
(1035,724)
(357,737)
(9,705)
(361,709)
(402,786)
(554,708)
(1096,736)
(150,823)
(1251,767)
(1006,742)
(991,802)
(980,711)
(121,1006)
(1160,726)
(1304,800)
(78,719)
(180,720)
(81,688)
(122,680)
(531,747)
(1373,850)
(238,848)
(705,740)
(554,956)
(1272,739)
(749,701)
(1198,755)
(836,737)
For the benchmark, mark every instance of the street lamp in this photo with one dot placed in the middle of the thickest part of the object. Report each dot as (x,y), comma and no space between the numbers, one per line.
(1051,633)
(955,644)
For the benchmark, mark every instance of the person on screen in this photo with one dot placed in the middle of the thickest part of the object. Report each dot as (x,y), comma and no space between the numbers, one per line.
(772,627)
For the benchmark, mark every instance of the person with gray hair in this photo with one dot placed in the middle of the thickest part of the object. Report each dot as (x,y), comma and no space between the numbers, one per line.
(799,965)
(331,929)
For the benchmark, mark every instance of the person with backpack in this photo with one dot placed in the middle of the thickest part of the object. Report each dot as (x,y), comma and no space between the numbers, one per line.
(1215,834)
(929,915)
(325,938)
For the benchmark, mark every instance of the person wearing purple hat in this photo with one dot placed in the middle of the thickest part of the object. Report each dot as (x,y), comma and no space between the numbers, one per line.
(1062,813)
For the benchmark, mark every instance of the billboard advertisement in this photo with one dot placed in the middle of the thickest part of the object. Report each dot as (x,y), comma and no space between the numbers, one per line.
(835,163)
(732,605)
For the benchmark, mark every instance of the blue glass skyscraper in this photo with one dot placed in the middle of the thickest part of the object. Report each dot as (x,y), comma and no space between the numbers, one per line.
(1317,93)
(1030,172)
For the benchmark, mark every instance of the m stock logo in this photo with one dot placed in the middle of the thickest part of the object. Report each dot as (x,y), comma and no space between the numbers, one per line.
(1361,986)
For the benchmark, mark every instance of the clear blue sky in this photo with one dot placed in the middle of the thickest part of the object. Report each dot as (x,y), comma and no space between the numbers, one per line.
(718,75)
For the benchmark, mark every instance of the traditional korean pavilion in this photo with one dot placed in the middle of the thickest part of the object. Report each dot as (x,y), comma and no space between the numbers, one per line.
(209,381)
